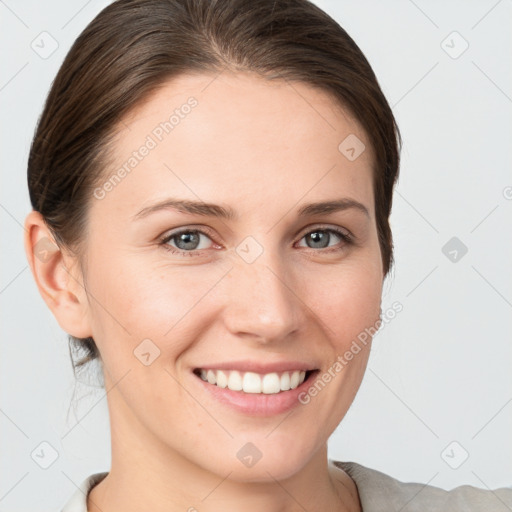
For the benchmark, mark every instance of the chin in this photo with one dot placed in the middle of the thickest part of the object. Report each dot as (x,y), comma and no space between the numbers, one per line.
(266,471)
(265,459)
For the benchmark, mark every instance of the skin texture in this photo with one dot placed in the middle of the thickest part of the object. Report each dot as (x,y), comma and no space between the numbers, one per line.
(264,149)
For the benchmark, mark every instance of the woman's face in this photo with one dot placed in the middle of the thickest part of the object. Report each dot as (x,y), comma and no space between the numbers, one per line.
(271,289)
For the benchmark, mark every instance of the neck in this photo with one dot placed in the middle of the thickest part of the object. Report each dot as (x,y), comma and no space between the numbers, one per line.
(145,473)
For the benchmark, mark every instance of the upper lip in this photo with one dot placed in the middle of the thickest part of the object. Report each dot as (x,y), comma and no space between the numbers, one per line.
(259,367)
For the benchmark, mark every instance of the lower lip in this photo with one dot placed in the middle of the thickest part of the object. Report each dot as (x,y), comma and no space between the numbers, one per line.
(257,404)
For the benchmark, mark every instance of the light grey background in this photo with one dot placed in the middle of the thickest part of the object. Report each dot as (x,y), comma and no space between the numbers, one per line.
(438,386)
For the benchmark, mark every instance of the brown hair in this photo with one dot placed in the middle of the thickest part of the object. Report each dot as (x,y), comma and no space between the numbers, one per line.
(133,47)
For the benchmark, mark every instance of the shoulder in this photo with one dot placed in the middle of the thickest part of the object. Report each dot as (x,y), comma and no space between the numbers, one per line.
(378,491)
(78,500)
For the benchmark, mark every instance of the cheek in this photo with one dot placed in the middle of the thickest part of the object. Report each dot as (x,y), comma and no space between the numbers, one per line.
(347,301)
(137,301)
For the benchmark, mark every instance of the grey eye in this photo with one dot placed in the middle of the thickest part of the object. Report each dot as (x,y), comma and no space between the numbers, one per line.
(187,240)
(321,238)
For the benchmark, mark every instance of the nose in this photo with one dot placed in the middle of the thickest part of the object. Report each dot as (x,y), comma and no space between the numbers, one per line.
(263,302)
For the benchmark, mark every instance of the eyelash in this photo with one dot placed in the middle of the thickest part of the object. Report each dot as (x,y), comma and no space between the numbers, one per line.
(345,237)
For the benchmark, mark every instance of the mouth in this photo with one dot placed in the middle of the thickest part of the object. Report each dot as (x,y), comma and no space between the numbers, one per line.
(254,383)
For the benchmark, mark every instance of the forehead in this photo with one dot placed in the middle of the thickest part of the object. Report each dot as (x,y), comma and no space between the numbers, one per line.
(238,137)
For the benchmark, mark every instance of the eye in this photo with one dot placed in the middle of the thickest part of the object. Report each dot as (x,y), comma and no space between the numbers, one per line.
(187,241)
(320,238)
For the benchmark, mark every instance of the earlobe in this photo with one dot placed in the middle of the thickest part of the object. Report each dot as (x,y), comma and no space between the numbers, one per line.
(57,277)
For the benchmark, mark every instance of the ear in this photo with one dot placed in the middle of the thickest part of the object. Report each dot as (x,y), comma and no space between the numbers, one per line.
(58,277)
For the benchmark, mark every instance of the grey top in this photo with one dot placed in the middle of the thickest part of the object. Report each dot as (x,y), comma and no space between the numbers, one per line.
(378,492)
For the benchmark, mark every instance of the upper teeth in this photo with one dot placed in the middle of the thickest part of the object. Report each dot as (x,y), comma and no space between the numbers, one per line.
(250,382)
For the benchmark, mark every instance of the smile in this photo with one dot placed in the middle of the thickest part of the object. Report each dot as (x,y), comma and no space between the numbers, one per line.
(251,382)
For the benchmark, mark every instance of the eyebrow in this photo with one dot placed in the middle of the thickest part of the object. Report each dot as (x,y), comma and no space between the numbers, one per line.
(215,210)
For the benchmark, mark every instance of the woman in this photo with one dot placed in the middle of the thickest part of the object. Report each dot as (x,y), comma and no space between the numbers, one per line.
(211,183)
